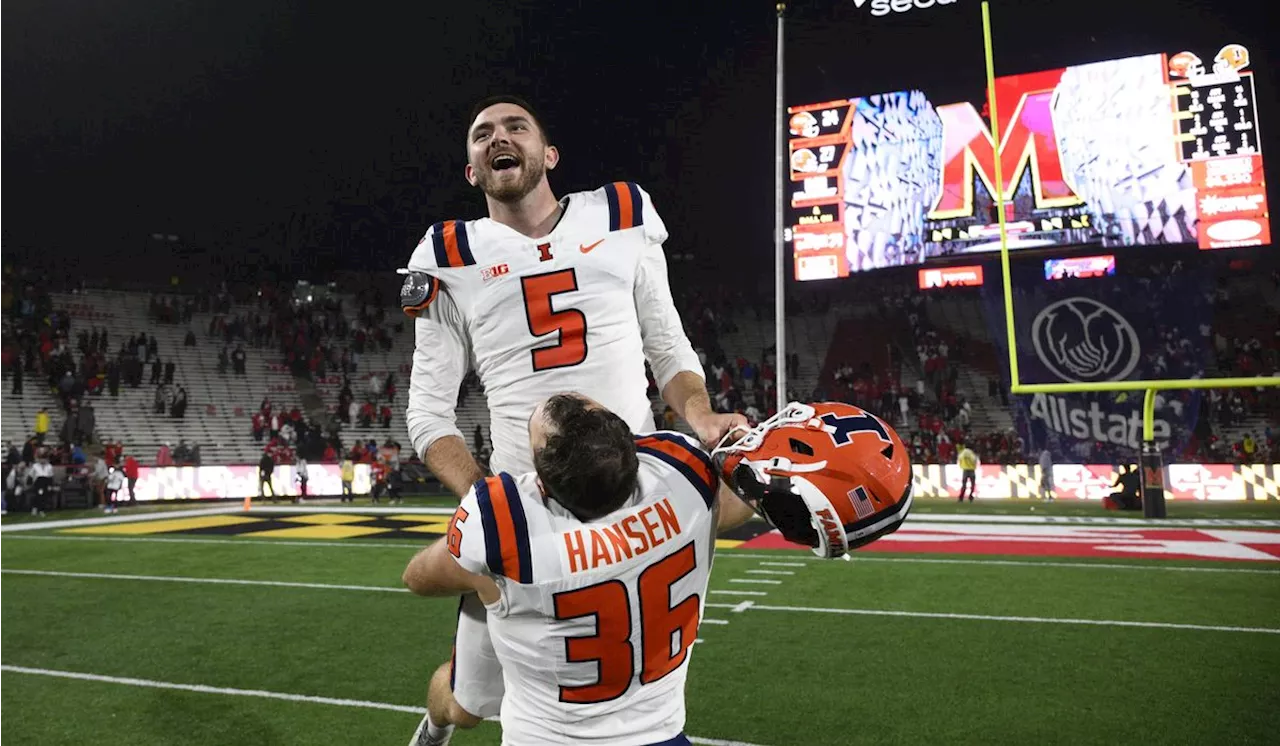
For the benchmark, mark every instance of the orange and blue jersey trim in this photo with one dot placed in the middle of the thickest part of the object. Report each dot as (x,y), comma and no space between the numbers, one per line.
(692,462)
(626,208)
(452,247)
(506,532)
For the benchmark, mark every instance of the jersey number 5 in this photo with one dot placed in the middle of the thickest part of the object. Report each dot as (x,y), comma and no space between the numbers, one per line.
(611,649)
(569,323)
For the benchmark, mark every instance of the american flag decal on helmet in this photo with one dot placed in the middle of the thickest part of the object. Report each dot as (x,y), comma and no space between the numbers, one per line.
(862,505)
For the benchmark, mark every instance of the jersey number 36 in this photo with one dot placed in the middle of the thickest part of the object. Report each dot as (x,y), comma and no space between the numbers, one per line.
(611,649)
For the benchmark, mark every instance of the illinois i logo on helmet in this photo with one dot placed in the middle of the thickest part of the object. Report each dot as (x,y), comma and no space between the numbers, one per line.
(828,476)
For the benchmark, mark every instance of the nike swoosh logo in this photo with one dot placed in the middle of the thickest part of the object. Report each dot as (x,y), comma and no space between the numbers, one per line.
(587,248)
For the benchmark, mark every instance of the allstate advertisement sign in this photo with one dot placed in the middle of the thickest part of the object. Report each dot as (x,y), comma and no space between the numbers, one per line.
(1116,328)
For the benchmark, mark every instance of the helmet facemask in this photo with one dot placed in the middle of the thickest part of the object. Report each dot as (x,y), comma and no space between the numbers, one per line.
(775,487)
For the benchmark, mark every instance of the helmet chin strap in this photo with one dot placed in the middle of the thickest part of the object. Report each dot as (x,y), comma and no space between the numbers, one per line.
(833,543)
(771,486)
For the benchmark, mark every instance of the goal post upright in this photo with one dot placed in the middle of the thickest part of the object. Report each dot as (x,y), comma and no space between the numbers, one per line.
(1150,458)
(999,195)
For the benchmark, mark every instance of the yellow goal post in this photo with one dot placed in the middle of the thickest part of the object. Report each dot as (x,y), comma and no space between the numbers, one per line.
(1016,384)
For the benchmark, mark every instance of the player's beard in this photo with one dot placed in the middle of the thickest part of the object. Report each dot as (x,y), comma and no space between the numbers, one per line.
(504,186)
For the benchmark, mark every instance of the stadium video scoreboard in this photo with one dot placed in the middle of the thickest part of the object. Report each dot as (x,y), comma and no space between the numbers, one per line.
(1146,150)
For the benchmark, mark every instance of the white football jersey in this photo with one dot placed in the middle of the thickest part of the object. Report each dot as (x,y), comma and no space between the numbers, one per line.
(577,310)
(596,620)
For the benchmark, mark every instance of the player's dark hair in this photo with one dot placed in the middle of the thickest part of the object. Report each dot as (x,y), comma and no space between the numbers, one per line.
(488,101)
(589,462)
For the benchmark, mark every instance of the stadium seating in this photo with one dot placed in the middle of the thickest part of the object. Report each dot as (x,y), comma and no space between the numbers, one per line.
(399,362)
(219,405)
(20,410)
(852,333)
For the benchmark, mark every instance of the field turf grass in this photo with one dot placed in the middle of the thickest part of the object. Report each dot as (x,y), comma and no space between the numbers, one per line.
(1015,663)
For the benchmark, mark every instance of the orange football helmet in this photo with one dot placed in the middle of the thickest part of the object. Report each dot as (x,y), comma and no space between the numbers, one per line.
(1232,57)
(830,476)
(1185,65)
(803,123)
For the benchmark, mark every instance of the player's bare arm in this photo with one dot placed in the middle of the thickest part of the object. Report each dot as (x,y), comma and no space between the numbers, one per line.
(434,572)
(731,510)
(453,464)
(686,393)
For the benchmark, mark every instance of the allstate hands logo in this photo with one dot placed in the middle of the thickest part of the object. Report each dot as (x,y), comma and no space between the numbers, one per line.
(1083,341)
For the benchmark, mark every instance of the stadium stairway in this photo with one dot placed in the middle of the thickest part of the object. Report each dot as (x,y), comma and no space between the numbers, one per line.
(808,335)
(19,421)
(398,361)
(958,315)
(863,334)
(219,406)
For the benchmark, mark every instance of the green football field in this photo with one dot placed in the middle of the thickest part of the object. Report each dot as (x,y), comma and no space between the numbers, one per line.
(231,640)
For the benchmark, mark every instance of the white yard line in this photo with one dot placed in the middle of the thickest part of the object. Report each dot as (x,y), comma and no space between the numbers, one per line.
(1022,619)
(738,607)
(211,581)
(741,593)
(715,621)
(781,564)
(770,572)
(760,581)
(868,557)
(202,689)
(401,544)
(262,694)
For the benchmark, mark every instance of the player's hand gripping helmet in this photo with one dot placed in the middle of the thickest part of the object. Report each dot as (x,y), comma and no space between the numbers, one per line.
(829,476)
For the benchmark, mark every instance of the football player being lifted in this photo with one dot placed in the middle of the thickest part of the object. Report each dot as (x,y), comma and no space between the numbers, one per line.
(544,295)
(594,566)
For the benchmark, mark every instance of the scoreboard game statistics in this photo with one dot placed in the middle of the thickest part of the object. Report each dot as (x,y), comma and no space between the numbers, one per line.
(1147,150)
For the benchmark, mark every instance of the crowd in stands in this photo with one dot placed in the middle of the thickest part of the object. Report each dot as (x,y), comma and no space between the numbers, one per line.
(1222,409)
(29,474)
(735,383)
(316,338)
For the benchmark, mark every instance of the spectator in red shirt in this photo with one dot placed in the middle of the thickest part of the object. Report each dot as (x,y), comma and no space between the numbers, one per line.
(130,473)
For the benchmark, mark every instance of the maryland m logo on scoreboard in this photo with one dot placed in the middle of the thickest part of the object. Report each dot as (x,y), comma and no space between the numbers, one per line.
(1137,151)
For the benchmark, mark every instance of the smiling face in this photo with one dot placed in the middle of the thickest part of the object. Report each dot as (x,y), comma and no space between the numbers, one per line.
(507,153)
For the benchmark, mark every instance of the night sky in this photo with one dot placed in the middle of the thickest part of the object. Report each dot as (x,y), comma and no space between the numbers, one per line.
(317,135)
